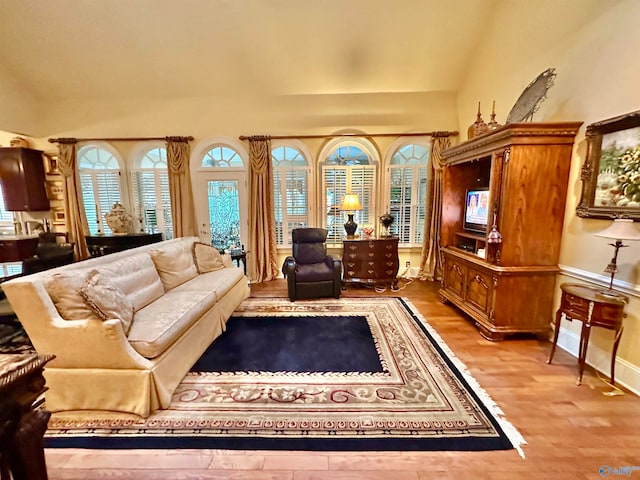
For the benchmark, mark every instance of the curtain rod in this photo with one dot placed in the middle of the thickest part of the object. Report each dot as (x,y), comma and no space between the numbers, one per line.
(418,134)
(117,139)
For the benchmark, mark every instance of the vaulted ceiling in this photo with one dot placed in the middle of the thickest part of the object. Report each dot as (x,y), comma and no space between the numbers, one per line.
(60,49)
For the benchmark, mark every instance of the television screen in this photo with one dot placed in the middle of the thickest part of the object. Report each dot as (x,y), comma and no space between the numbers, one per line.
(476,210)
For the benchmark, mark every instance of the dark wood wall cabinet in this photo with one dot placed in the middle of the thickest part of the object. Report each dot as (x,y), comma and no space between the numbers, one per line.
(507,287)
(23,179)
(370,261)
(104,244)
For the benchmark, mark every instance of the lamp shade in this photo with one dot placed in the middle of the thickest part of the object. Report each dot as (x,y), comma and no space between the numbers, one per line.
(620,229)
(351,202)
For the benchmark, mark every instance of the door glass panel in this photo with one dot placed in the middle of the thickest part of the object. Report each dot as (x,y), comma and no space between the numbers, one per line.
(224,213)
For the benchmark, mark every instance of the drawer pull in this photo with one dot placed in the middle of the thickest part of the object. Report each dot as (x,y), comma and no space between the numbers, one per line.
(352,247)
(351,264)
(353,255)
(350,272)
(370,271)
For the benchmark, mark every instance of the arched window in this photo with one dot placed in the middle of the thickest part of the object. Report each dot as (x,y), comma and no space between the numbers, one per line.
(220,184)
(150,189)
(290,191)
(348,167)
(100,182)
(222,156)
(407,193)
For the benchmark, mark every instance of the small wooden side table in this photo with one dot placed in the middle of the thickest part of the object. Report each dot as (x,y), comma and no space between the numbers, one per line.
(24,421)
(594,309)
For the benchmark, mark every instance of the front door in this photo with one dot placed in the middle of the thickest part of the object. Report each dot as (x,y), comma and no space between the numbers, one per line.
(222,209)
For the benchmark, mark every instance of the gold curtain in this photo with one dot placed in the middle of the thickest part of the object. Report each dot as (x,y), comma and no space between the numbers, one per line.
(75,218)
(180,191)
(431,262)
(262,226)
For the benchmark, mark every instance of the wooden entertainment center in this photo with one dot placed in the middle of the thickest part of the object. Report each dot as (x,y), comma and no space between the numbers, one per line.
(507,287)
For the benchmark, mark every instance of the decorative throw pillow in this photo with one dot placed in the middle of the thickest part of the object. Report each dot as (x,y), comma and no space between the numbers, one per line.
(207,258)
(174,264)
(64,288)
(107,300)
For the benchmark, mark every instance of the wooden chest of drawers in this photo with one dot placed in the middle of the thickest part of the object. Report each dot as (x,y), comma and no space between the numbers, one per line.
(370,260)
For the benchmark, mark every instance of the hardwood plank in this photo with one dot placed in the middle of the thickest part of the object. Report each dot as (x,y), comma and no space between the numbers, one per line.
(571,431)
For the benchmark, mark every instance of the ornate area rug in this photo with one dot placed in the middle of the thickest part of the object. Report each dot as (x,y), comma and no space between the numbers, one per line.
(402,389)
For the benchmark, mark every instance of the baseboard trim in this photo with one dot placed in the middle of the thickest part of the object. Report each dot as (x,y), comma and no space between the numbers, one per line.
(627,374)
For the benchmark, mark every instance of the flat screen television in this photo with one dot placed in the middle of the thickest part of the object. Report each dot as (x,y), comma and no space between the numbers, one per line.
(476,210)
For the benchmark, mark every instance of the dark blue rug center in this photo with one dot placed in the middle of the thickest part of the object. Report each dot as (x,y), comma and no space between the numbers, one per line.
(293,344)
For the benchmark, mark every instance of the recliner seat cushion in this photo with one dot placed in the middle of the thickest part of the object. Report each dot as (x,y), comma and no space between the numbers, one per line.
(315,272)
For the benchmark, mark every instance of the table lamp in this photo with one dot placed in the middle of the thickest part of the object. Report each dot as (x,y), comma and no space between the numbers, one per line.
(621,229)
(350,204)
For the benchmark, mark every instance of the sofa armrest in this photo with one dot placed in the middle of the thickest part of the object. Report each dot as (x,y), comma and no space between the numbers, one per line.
(75,343)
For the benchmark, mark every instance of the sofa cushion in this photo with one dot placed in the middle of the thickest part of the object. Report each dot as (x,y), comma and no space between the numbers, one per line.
(174,264)
(137,277)
(218,282)
(206,257)
(107,299)
(64,288)
(161,323)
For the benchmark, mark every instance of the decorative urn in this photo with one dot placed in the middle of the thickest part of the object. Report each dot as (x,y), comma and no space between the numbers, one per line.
(119,220)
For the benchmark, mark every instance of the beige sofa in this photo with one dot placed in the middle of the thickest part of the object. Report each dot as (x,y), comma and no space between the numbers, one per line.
(126,328)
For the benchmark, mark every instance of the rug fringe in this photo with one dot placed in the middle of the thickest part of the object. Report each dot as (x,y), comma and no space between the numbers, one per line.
(512,433)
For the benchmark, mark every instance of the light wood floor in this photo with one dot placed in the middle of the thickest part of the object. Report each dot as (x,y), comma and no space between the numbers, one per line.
(571,431)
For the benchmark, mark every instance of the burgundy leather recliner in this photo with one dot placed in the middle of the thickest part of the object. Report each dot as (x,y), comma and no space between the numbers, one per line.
(310,272)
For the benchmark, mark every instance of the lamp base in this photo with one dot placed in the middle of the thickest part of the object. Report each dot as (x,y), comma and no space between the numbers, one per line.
(350,226)
(609,294)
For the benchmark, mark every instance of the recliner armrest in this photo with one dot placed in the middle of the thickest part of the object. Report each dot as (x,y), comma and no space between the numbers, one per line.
(289,266)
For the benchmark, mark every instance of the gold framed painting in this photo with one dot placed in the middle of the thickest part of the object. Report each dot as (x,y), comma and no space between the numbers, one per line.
(51,166)
(55,190)
(611,172)
(57,216)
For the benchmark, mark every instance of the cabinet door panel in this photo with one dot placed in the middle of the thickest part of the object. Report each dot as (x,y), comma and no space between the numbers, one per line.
(479,290)
(454,275)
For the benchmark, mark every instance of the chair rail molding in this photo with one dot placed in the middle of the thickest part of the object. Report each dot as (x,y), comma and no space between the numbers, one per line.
(627,288)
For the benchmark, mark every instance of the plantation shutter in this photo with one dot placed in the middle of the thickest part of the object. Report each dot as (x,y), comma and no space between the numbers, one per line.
(6,217)
(338,180)
(296,206)
(277,205)
(400,202)
(152,202)
(100,190)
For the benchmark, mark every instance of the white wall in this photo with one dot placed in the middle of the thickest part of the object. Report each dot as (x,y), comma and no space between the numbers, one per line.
(18,110)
